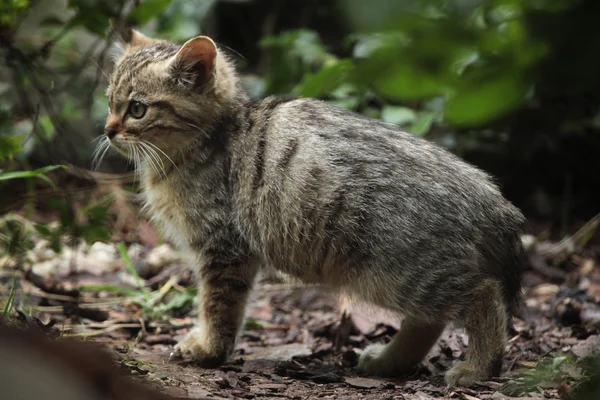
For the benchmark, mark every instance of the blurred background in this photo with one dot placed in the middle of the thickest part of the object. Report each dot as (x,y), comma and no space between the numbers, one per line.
(512,86)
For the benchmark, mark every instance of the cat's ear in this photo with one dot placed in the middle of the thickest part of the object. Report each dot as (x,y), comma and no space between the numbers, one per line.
(128,39)
(196,61)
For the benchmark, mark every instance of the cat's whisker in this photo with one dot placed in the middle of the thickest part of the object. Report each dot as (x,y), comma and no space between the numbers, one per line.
(163,153)
(153,153)
(148,157)
(97,138)
(199,129)
(152,159)
(130,157)
(99,153)
(137,156)
(134,160)
(159,160)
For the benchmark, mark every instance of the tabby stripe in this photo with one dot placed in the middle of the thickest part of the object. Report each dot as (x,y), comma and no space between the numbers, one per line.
(153,127)
(288,154)
(259,160)
(165,105)
(141,65)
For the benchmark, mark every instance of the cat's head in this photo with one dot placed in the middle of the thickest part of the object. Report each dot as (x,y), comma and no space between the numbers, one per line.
(162,96)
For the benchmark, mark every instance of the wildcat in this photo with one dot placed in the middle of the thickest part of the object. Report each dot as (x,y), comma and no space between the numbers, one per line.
(322,194)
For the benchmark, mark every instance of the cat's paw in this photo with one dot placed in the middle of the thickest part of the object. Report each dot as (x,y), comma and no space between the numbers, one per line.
(375,361)
(196,346)
(463,374)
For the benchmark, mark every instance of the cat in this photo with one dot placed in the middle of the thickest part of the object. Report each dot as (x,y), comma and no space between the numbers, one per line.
(322,194)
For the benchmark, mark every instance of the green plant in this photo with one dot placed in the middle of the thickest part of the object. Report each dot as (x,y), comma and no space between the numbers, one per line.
(10,301)
(158,304)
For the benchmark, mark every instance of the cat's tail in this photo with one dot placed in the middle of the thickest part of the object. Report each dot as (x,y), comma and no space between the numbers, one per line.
(505,259)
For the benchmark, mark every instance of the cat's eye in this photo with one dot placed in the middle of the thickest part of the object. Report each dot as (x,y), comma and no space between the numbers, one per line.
(137,110)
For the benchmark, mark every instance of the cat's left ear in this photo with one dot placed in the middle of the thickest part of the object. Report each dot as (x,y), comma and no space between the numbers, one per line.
(129,39)
(196,61)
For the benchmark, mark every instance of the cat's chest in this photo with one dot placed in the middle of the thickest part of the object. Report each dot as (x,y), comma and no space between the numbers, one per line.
(165,206)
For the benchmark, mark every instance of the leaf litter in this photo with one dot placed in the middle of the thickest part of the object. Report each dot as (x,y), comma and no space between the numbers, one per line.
(138,299)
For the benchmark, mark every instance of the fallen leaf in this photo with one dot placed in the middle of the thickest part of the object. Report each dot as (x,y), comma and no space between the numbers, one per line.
(364,383)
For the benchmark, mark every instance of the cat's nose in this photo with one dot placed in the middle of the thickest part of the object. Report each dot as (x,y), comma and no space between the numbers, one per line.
(110,131)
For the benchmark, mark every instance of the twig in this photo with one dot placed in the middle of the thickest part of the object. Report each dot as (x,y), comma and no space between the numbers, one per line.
(558,252)
(49,285)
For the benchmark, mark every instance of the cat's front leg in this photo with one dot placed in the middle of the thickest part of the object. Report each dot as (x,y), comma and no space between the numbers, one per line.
(223,291)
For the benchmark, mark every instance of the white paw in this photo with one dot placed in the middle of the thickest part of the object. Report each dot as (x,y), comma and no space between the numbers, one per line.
(197,346)
(375,361)
(191,345)
(462,374)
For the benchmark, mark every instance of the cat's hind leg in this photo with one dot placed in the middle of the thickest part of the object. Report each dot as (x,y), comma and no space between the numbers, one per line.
(485,322)
(407,348)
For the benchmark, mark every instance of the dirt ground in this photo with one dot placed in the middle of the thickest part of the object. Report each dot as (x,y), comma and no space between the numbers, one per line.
(298,343)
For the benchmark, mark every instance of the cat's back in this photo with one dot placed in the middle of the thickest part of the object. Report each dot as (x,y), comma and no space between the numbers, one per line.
(305,145)
(318,185)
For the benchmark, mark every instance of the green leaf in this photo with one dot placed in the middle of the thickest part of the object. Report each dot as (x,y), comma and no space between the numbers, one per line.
(324,81)
(398,115)
(10,145)
(148,10)
(38,173)
(94,233)
(179,301)
(405,82)
(130,268)
(43,230)
(483,100)
(111,289)
(10,301)
(423,123)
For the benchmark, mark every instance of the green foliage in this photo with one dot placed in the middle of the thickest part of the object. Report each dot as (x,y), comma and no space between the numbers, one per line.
(589,386)
(10,10)
(94,15)
(9,303)
(38,173)
(15,237)
(10,145)
(158,304)
(559,372)
(294,54)
(131,269)
(325,80)
(478,55)
(147,10)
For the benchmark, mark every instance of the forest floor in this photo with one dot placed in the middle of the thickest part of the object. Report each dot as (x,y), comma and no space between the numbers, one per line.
(299,343)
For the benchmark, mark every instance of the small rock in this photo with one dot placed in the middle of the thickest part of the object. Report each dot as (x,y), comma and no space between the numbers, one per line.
(545,289)
(281,353)
(162,255)
(103,252)
(591,317)
(586,267)
(528,241)
(587,347)
(42,252)
(136,251)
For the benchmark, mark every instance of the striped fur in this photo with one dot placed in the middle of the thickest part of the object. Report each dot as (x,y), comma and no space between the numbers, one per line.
(321,194)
